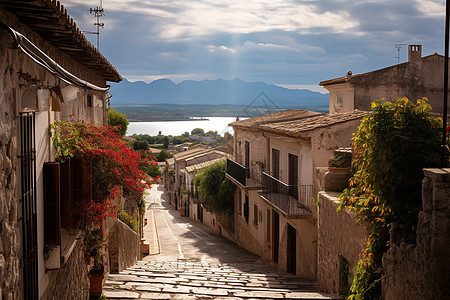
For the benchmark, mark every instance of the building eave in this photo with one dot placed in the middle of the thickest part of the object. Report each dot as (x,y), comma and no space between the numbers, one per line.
(51,21)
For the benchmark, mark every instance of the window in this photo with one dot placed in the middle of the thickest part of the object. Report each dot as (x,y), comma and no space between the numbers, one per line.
(293,176)
(27,136)
(246,208)
(89,101)
(276,163)
(66,185)
(247,157)
(339,100)
(255,215)
(239,195)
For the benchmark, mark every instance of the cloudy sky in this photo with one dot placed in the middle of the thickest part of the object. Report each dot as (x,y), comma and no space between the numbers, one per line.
(293,43)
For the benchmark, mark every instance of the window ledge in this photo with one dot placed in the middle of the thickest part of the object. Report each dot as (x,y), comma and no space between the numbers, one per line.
(69,243)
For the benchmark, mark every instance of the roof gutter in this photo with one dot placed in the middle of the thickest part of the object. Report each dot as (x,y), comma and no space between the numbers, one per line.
(19,41)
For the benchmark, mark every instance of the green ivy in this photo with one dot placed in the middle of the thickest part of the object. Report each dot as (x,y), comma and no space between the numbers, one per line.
(124,217)
(211,183)
(391,147)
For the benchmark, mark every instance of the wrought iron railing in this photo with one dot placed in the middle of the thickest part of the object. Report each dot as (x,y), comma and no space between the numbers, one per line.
(292,199)
(29,202)
(237,171)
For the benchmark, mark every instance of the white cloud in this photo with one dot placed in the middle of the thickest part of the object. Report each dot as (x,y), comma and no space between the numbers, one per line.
(212,48)
(431,8)
(311,87)
(198,18)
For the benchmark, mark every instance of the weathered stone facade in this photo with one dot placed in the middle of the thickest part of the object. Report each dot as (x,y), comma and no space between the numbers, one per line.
(123,246)
(9,234)
(419,77)
(71,281)
(18,73)
(339,238)
(421,270)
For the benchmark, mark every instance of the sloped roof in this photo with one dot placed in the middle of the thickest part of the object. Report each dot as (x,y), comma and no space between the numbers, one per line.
(284,115)
(349,78)
(190,152)
(52,22)
(170,161)
(296,127)
(202,165)
(154,150)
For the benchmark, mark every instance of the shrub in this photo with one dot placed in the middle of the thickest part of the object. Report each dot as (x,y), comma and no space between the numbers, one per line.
(391,147)
(212,183)
(116,118)
(124,217)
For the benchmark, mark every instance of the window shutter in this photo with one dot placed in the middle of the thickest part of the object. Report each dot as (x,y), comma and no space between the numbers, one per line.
(52,222)
(293,176)
(276,163)
(66,193)
(81,184)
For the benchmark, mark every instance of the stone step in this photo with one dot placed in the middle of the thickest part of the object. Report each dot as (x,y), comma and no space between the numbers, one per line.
(189,280)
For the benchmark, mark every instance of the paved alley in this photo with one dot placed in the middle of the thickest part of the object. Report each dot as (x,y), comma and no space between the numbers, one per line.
(189,261)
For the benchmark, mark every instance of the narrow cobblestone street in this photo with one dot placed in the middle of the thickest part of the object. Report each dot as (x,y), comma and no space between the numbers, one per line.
(189,261)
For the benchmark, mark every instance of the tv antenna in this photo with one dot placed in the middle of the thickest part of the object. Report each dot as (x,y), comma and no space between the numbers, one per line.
(98,13)
(398,47)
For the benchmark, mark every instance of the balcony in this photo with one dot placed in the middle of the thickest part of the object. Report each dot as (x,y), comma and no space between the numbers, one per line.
(293,200)
(249,178)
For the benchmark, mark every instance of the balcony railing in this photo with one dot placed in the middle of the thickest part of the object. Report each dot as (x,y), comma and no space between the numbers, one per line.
(237,171)
(249,177)
(292,199)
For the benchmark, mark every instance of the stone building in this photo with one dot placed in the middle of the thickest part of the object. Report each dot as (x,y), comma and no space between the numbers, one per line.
(48,72)
(417,78)
(276,156)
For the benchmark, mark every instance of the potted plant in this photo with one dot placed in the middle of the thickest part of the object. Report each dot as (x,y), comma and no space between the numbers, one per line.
(340,161)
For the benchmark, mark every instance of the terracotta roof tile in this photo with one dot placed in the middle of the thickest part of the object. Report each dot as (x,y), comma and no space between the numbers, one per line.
(284,115)
(296,127)
(202,165)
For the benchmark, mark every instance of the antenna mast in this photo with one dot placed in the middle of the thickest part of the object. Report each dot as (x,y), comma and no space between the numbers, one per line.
(398,47)
(98,12)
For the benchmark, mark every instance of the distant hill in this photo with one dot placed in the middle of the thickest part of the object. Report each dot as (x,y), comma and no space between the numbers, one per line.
(211,92)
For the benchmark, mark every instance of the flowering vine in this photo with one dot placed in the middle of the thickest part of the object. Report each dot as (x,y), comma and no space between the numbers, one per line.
(114,166)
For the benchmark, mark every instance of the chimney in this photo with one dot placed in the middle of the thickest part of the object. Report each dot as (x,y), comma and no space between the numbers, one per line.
(414,53)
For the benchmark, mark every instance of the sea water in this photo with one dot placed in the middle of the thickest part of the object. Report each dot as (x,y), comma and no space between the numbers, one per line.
(174,128)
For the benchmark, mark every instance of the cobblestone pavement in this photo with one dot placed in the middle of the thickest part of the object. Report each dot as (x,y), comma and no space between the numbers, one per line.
(195,263)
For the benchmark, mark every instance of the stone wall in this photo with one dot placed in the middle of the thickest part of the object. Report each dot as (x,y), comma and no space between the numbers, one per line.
(9,232)
(414,81)
(71,281)
(124,248)
(246,240)
(17,71)
(338,237)
(421,270)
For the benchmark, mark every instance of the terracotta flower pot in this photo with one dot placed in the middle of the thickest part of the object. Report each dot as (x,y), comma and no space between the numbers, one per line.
(96,279)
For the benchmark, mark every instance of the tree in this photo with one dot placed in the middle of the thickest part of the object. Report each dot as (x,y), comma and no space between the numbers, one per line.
(166,142)
(212,133)
(212,183)
(140,145)
(153,170)
(161,156)
(391,147)
(116,118)
(197,131)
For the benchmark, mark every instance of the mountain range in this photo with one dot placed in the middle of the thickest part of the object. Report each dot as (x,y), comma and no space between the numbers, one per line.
(212,92)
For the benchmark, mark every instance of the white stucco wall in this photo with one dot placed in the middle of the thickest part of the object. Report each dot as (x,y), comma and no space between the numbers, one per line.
(343,92)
